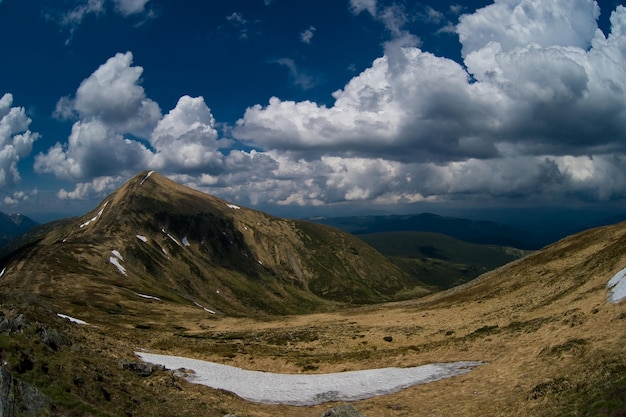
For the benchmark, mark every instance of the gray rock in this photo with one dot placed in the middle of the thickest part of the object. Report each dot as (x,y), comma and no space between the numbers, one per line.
(140,368)
(19,397)
(33,402)
(20,323)
(13,325)
(7,393)
(344,410)
(4,325)
(52,337)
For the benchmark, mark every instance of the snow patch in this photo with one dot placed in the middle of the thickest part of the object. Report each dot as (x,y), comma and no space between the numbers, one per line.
(94,218)
(311,389)
(142,238)
(117,255)
(2,272)
(115,261)
(149,297)
(72,319)
(146,177)
(232,206)
(617,287)
(205,309)
(186,241)
(171,237)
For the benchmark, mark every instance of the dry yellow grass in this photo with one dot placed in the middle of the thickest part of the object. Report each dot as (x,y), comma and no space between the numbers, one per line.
(549,340)
(542,326)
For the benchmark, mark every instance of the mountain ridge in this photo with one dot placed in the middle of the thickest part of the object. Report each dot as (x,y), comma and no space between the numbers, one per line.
(154,236)
(474,231)
(14,225)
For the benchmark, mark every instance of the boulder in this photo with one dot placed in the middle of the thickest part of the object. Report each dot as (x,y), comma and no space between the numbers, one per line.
(52,337)
(18,397)
(13,325)
(7,393)
(33,402)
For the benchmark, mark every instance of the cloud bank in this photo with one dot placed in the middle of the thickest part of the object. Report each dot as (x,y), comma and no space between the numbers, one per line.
(534,113)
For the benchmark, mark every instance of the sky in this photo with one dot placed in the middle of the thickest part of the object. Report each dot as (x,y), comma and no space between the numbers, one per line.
(300,107)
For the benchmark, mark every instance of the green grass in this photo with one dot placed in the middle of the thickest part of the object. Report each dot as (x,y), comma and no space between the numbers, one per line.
(439,260)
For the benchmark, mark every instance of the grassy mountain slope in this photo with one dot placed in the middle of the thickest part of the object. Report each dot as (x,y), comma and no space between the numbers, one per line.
(155,237)
(439,260)
(551,345)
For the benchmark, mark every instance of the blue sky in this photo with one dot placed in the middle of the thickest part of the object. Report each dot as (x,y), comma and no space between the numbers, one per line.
(310,107)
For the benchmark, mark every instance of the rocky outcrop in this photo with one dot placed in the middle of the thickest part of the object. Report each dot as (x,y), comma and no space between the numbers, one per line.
(13,325)
(18,397)
(7,393)
(344,410)
(140,368)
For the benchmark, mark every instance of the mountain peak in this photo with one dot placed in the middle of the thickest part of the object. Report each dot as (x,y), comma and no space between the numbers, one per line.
(154,236)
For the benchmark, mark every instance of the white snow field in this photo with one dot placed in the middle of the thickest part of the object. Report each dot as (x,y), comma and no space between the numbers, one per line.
(617,287)
(307,389)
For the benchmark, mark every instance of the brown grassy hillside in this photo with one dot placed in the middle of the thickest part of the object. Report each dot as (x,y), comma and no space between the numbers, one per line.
(550,343)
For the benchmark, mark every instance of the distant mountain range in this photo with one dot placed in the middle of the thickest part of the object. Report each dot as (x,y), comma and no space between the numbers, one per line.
(14,225)
(529,230)
(440,260)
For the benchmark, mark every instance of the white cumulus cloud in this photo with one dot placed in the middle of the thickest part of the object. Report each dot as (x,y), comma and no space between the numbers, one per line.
(16,140)
(515,23)
(93,150)
(114,96)
(541,95)
(358,6)
(129,7)
(186,139)
(537,109)
(95,188)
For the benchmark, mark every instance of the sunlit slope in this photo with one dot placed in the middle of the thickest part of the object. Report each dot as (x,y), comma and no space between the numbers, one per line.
(155,237)
(549,333)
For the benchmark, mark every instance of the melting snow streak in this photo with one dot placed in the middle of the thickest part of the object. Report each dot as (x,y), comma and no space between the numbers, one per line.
(149,297)
(234,207)
(146,177)
(96,217)
(171,237)
(205,309)
(312,389)
(142,238)
(617,287)
(72,319)
(115,261)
